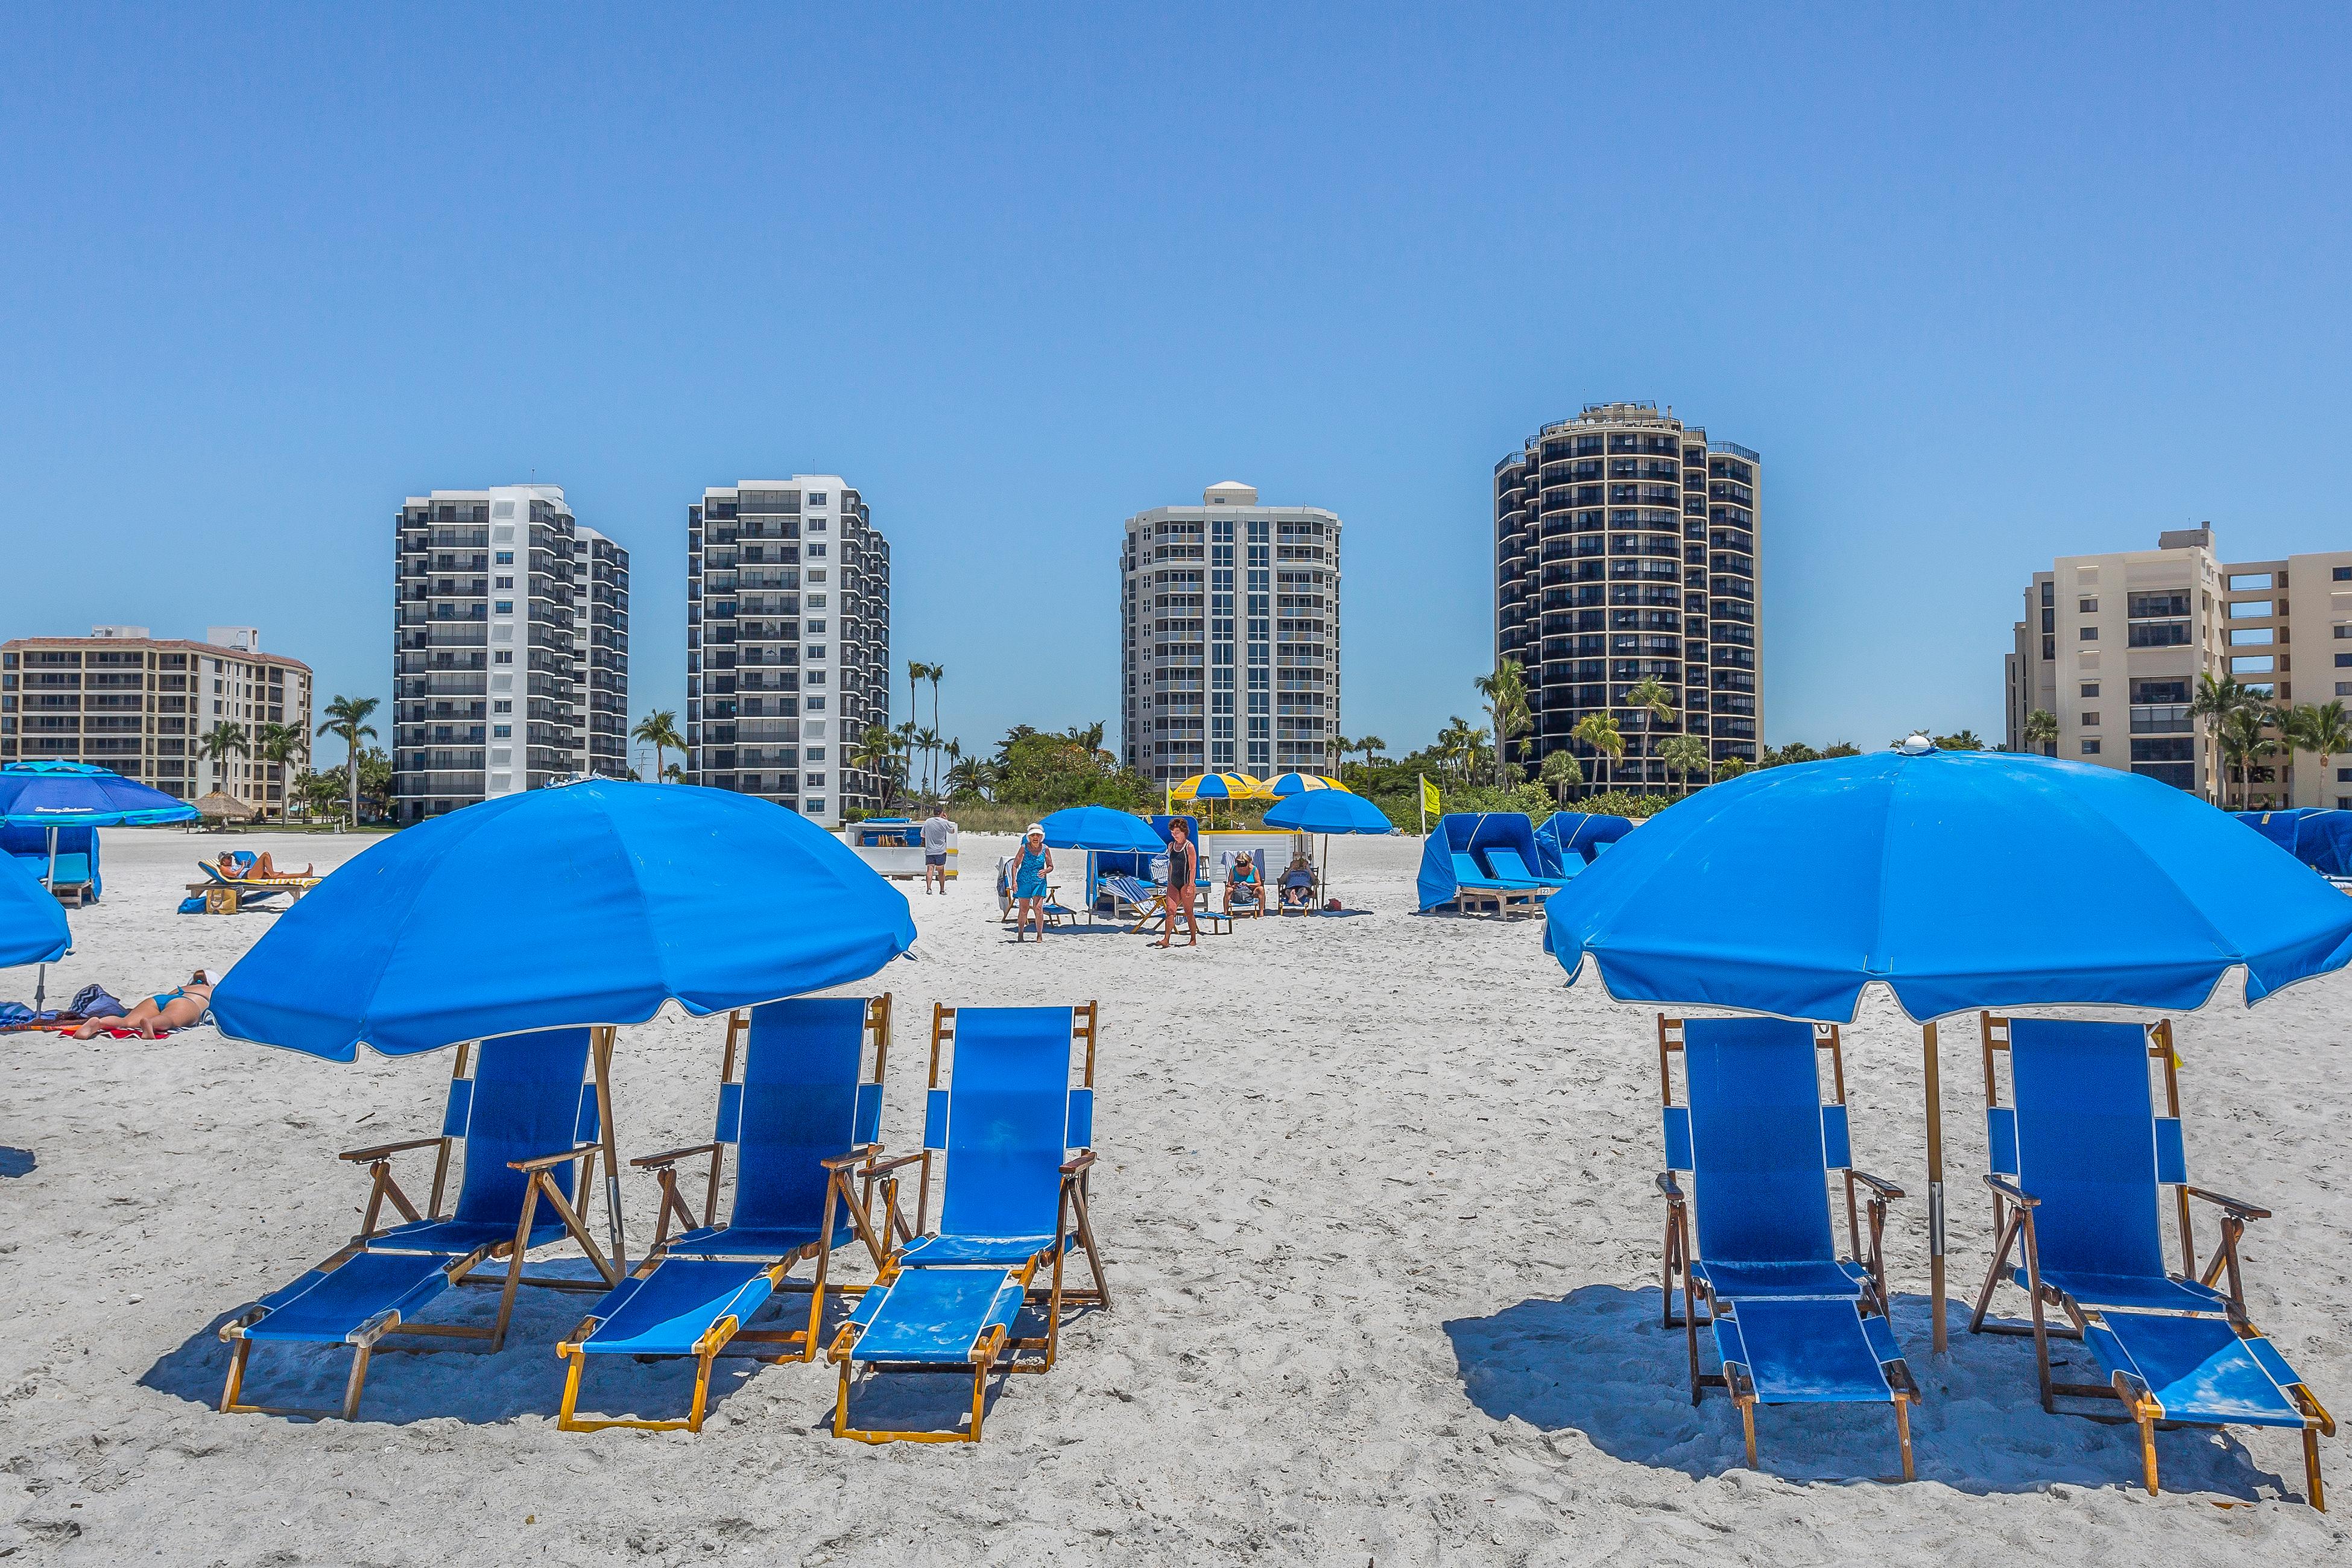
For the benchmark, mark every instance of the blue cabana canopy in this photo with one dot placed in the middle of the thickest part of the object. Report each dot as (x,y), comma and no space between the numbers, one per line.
(2321,840)
(1329,811)
(1576,834)
(592,903)
(32,923)
(1099,827)
(1962,879)
(1458,833)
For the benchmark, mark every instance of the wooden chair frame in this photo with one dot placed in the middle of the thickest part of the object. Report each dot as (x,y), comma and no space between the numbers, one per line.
(998,1350)
(2013,1225)
(728,1336)
(384,1187)
(1679,1251)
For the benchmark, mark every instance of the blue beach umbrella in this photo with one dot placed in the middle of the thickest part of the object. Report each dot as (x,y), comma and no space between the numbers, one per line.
(52,794)
(32,922)
(1099,827)
(1959,880)
(589,904)
(1327,812)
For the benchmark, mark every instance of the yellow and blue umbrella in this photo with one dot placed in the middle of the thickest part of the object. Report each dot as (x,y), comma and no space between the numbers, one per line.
(1219,786)
(1283,785)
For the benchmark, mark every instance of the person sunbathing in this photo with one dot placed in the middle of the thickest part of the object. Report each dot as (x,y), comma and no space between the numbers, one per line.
(177,1008)
(263,868)
(1241,886)
(1298,884)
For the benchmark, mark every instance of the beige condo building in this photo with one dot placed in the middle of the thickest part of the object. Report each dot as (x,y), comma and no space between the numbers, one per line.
(2113,648)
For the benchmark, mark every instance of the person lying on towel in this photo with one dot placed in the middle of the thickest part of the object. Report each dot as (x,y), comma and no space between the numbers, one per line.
(177,1008)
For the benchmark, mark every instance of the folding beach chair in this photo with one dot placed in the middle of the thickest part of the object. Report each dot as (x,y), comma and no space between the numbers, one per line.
(1473,883)
(1151,902)
(803,1119)
(528,1119)
(1794,1323)
(1012,1138)
(2078,1159)
(1127,896)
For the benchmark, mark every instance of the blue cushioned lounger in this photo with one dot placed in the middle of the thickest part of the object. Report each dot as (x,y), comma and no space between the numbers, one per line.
(1010,1140)
(1509,868)
(1472,883)
(1793,1322)
(2078,1158)
(803,1119)
(525,1119)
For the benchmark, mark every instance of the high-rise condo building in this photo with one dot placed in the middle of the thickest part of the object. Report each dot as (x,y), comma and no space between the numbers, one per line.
(1229,637)
(2113,648)
(787,643)
(493,658)
(142,706)
(1626,547)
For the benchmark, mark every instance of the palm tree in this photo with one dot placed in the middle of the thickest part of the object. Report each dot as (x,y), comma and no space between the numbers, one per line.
(223,741)
(928,741)
(1961,741)
(1562,772)
(2215,700)
(916,671)
(937,672)
(348,717)
(970,776)
(1087,737)
(1598,731)
(1506,692)
(2245,739)
(2325,729)
(1684,754)
(280,744)
(1732,767)
(1457,747)
(877,753)
(1371,746)
(659,731)
(1651,698)
(2042,730)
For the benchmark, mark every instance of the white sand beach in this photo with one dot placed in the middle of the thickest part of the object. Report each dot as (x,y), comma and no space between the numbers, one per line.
(1377,1198)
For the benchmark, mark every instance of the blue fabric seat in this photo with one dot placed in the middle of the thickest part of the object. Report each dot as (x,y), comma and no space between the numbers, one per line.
(1792,1321)
(803,1101)
(527,1097)
(1002,1135)
(1510,869)
(2080,1159)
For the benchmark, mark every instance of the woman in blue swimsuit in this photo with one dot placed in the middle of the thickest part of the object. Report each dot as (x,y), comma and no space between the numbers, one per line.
(1032,863)
(177,1008)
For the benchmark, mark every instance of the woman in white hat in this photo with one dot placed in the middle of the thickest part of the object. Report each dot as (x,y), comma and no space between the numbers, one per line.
(1032,863)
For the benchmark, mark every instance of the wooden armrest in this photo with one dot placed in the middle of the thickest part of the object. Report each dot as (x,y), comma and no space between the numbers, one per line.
(2243,1210)
(1078,1164)
(545,1162)
(670,1156)
(1883,1188)
(877,1169)
(862,1152)
(2011,1191)
(369,1156)
(1668,1186)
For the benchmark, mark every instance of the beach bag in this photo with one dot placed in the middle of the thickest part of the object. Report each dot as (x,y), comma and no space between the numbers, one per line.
(194,905)
(93,1002)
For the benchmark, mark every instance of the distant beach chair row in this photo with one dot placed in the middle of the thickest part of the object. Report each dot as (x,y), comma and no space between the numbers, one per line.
(2079,1155)
(1007,1144)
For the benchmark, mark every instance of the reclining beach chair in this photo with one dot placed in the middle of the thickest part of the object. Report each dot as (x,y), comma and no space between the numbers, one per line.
(1472,882)
(1151,902)
(526,1119)
(71,879)
(1009,1140)
(1794,1323)
(2078,1159)
(803,1119)
(1509,868)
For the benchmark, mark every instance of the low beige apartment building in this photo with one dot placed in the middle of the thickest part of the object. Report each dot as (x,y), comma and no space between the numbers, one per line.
(139,704)
(2112,646)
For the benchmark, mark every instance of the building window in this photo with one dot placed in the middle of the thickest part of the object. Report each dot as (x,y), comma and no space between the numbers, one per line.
(815,781)
(2090,634)
(502,656)
(501,732)
(814,705)
(816,497)
(503,582)
(814,805)
(2344,661)
(2087,607)
(2090,747)
(503,607)
(815,549)
(2344,775)
(505,558)
(2344,575)
(502,706)
(2090,689)
(817,754)
(2089,718)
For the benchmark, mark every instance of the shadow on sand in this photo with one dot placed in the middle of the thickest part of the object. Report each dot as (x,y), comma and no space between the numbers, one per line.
(16,1161)
(1599,1362)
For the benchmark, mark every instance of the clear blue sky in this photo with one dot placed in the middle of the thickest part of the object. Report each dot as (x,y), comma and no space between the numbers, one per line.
(1982,288)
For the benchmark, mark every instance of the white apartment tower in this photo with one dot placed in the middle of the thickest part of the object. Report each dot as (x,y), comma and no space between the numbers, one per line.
(2113,646)
(787,642)
(1626,547)
(495,659)
(1229,633)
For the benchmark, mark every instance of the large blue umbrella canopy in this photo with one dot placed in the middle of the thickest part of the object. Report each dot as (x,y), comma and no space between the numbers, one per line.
(1961,879)
(592,903)
(32,922)
(1329,811)
(1099,827)
(76,795)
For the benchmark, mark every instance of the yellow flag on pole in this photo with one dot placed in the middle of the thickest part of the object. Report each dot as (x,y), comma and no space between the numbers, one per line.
(1428,796)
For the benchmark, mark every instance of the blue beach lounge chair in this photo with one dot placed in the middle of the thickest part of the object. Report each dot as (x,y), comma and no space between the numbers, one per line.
(1473,885)
(2078,1159)
(803,1117)
(1793,1322)
(1509,868)
(526,1119)
(1010,1136)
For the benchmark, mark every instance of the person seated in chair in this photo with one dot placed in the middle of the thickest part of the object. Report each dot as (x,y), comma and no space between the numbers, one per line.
(177,1008)
(1298,884)
(1241,886)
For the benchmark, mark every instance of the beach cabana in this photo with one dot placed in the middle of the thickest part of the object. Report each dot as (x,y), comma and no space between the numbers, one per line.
(614,897)
(1912,859)
(1570,840)
(1456,847)
(2321,840)
(1101,830)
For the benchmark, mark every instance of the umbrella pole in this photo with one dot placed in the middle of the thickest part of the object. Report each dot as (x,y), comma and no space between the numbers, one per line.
(1935,1188)
(49,881)
(602,1044)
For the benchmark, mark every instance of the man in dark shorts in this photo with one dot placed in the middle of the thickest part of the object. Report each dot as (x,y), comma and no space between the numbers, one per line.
(1183,864)
(937,831)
